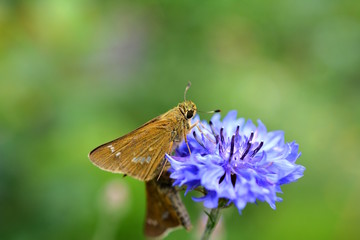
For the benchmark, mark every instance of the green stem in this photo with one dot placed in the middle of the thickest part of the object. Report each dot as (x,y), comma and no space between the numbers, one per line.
(213,219)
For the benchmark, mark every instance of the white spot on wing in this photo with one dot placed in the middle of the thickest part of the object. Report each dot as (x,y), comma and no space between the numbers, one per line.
(151,222)
(112,149)
(141,160)
(117,154)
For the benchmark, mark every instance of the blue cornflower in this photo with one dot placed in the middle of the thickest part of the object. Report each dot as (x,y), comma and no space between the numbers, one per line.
(235,161)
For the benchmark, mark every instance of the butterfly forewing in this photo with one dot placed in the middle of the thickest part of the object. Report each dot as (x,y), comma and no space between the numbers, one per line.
(139,153)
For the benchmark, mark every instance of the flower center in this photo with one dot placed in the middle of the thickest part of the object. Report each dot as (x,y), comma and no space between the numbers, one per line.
(238,150)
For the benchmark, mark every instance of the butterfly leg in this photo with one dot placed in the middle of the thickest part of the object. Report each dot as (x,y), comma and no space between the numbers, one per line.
(162,169)
(191,127)
(187,144)
(195,125)
(203,132)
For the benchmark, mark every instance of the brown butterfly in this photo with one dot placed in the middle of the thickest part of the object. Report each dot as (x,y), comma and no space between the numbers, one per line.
(140,154)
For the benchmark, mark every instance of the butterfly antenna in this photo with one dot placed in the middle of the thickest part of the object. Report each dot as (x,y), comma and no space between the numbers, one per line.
(213,111)
(186,89)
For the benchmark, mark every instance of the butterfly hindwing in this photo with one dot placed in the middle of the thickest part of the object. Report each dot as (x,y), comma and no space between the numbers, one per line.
(165,210)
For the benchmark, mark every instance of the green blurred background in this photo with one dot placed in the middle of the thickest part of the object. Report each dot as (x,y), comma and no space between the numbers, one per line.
(75,74)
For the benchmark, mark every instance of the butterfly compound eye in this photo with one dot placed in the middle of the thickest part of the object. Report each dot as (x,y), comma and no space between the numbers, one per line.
(189,114)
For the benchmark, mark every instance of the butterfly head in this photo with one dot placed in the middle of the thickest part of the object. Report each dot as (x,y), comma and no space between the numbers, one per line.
(188,109)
